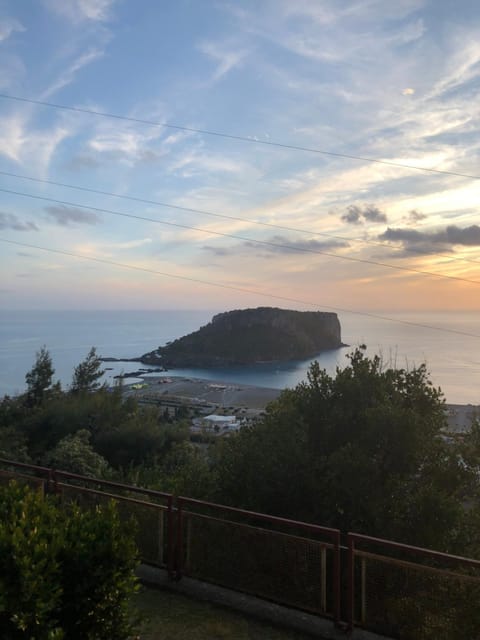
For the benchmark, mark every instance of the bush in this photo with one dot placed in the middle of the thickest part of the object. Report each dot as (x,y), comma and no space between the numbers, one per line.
(64,573)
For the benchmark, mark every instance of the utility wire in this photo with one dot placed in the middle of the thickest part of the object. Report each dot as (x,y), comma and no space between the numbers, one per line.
(235,288)
(242,238)
(221,134)
(229,217)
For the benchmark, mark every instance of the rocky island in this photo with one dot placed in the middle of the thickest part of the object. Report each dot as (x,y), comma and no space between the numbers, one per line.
(250,336)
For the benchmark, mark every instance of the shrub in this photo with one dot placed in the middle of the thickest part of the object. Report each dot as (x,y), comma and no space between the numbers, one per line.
(64,573)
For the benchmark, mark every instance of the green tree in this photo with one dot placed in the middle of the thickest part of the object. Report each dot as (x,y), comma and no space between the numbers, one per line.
(75,453)
(40,379)
(360,451)
(87,374)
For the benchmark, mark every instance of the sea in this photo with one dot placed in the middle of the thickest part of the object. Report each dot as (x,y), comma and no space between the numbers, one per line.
(447,342)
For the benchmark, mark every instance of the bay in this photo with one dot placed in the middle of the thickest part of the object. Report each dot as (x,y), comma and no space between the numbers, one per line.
(452,359)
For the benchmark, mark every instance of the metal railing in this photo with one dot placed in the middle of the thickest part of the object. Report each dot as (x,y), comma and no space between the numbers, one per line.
(393,589)
(412,593)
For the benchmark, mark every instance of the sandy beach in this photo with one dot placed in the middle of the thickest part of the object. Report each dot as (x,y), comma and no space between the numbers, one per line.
(198,390)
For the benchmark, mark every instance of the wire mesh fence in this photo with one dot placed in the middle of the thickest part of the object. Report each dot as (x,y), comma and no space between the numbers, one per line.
(276,559)
(414,594)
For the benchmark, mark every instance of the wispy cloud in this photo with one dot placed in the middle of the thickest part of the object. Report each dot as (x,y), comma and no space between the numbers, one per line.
(71,216)
(68,75)
(277,245)
(80,10)
(225,57)
(13,222)
(9,26)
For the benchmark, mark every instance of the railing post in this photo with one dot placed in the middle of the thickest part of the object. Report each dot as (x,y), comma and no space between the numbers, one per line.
(351,583)
(336,579)
(179,546)
(170,545)
(363,595)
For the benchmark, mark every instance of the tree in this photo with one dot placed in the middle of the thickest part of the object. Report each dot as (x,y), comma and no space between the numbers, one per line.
(39,378)
(87,373)
(360,451)
(75,453)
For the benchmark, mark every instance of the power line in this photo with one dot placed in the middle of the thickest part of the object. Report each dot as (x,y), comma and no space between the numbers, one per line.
(242,238)
(235,288)
(227,217)
(229,136)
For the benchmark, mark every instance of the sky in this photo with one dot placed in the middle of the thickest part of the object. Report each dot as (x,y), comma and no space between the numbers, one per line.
(191,220)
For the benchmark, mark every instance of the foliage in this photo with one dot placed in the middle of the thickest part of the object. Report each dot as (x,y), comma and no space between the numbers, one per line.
(359,451)
(76,454)
(87,373)
(63,574)
(40,379)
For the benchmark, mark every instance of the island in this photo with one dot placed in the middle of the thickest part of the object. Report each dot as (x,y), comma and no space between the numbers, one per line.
(251,336)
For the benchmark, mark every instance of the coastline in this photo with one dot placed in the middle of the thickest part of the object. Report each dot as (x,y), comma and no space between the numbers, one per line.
(218,393)
(224,396)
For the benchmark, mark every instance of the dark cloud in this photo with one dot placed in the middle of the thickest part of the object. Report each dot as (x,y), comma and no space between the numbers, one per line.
(10,221)
(432,241)
(416,216)
(68,216)
(220,251)
(276,245)
(357,215)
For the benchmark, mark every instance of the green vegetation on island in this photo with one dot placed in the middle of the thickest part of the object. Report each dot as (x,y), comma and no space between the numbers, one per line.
(249,336)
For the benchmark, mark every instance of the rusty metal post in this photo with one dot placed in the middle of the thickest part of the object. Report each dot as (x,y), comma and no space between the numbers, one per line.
(170,545)
(351,583)
(363,596)
(323,570)
(179,546)
(336,579)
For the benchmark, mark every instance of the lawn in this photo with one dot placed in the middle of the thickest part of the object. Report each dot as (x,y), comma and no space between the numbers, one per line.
(172,616)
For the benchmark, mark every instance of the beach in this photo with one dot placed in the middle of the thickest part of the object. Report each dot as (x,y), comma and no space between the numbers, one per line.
(198,392)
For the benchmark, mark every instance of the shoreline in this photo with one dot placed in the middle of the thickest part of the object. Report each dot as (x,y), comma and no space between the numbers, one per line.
(203,391)
(250,397)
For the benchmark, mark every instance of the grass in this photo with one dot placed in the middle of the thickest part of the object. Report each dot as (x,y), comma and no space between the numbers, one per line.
(172,616)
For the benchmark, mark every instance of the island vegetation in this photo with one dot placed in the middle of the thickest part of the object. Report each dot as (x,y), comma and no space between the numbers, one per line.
(249,336)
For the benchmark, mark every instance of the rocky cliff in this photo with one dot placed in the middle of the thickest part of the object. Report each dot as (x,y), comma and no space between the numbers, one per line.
(250,336)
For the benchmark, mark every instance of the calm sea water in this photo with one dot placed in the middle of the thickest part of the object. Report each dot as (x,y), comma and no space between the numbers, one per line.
(453,360)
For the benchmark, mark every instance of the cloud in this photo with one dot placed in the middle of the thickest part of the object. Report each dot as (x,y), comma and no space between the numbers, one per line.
(225,58)
(67,76)
(71,216)
(432,241)
(416,216)
(82,10)
(9,26)
(356,215)
(278,245)
(11,221)
(408,91)
(27,145)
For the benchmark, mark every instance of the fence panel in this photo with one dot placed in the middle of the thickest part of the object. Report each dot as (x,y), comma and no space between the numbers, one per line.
(277,559)
(410,593)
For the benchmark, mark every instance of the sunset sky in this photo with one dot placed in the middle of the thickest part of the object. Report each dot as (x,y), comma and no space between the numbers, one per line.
(395,81)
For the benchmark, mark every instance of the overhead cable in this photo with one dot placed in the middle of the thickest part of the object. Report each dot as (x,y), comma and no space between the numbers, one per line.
(224,216)
(235,288)
(265,243)
(229,136)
